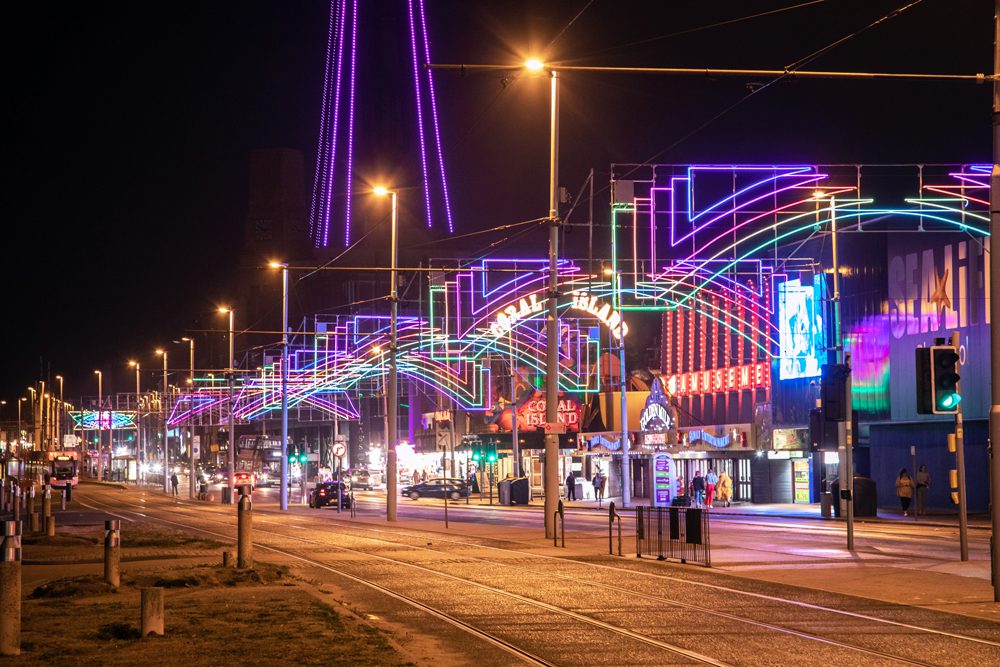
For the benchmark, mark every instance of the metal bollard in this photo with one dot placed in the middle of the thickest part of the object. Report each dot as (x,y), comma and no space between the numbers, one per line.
(228,558)
(69,493)
(63,495)
(46,501)
(244,530)
(33,524)
(151,621)
(10,589)
(31,504)
(112,552)
(15,500)
(50,525)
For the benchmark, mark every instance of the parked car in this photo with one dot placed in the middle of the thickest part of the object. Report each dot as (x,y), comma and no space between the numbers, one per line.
(439,487)
(360,479)
(325,493)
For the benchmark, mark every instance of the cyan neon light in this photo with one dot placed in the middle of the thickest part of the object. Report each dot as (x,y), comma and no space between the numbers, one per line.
(103,420)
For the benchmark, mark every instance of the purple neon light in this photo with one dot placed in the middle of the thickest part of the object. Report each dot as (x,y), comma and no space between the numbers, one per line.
(321,142)
(350,121)
(434,117)
(336,124)
(420,112)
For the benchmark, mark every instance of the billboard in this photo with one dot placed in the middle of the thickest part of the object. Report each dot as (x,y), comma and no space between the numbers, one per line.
(800,329)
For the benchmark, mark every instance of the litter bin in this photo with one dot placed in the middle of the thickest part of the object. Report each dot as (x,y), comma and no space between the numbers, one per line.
(520,491)
(503,491)
(225,495)
(682,500)
(826,504)
(865,498)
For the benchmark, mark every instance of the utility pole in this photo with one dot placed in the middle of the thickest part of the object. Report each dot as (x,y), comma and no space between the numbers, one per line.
(192,457)
(847,439)
(284,388)
(995,315)
(551,483)
(963,517)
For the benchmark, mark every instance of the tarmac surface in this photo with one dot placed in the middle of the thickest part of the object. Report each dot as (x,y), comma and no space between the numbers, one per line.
(782,588)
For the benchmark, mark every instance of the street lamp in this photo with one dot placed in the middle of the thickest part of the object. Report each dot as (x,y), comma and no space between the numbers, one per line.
(61,415)
(163,409)
(284,382)
(34,393)
(551,485)
(140,441)
(231,455)
(19,432)
(192,455)
(390,399)
(100,430)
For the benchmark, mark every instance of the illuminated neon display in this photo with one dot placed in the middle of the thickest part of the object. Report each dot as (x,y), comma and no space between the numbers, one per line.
(103,420)
(800,321)
(718,380)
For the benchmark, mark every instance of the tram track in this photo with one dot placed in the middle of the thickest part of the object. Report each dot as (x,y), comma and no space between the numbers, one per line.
(591,583)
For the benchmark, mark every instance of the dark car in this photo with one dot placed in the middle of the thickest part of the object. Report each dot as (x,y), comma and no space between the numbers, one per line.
(325,493)
(440,487)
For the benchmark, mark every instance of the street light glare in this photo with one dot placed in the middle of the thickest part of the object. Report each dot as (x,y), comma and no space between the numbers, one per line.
(159,351)
(276,265)
(380,190)
(534,65)
(224,309)
(133,362)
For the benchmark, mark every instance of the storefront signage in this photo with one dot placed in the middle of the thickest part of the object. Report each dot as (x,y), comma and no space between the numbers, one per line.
(717,380)
(507,319)
(603,311)
(602,441)
(657,415)
(728,439)
(663,480)
(532,413)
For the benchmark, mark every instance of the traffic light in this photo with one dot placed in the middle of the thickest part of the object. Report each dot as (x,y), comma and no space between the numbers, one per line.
(303,457)
(293,458)
(477,452)
(833,391)
(925,386)
(491,453)
(944,379)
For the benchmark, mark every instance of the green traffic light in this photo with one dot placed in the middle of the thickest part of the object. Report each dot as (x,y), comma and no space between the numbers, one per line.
(950,401)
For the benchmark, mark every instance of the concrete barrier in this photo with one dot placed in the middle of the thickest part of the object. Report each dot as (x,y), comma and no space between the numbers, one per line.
(10,589)
(151,619)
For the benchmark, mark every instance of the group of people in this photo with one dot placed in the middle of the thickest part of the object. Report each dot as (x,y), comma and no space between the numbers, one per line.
(598,480)
(907,487)
(705,490)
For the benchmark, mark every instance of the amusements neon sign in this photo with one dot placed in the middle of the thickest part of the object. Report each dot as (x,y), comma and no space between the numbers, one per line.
(717,380)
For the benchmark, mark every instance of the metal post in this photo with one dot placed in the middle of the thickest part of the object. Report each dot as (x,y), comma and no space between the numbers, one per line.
(551,482)
(623,406)
(244,530)
(192,455)
(231,453)
(846,442)
(47,500)
(284,388)
(163,411)
(963,517)
(100,431)
(391,402)
(10,589)
(112,552)
(994,316)
(32,515)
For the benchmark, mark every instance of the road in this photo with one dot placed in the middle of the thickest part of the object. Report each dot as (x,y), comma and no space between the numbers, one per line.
(492,586)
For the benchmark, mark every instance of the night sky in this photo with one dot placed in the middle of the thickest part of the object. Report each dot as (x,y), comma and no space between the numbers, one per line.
(132,124)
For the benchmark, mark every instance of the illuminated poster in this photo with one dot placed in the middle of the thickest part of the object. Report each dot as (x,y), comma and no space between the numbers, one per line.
(800,480)
(800,327)
(663,476)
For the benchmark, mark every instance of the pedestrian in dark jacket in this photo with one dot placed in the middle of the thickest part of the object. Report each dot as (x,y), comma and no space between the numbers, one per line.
(570,487)
(698,484)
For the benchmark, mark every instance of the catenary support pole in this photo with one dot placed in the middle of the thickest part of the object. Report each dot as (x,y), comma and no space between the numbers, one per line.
(995,316)
(391,472)
(551,481)
(284,389)
(963,515)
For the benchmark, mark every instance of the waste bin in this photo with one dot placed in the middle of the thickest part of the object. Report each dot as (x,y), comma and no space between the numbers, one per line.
(520,491)
(225,495)
(682,500)
(503,491)
(826,504)
(865,498)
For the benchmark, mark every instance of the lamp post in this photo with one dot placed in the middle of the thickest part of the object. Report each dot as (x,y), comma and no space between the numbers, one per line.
(19,431)
(34,394)
(100,430)
(61,414)
(284,383)
(231,449)
(163,410)
(390,436)
(192,458)
(140,442)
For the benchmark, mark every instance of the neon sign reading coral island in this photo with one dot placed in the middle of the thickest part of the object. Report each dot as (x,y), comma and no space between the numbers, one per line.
(609,317)
(507,319)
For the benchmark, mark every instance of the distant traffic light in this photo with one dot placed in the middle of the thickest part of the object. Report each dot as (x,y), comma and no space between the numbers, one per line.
(303,457)
(477,452)
(491,453)
(944,378)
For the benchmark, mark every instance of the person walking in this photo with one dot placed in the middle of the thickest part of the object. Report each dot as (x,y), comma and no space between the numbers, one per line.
(904,490)
(173,482)
(416,476)
(570,487)
(923,483)
(698,486)
(711,479)
(598,487)
(725,488)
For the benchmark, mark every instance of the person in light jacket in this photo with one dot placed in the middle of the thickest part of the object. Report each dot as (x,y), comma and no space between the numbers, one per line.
(904,490)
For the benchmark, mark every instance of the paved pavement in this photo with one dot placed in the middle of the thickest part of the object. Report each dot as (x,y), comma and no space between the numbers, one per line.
(492,569)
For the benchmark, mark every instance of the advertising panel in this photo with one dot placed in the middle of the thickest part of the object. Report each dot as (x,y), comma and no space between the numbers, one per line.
(800,328)
(663,480)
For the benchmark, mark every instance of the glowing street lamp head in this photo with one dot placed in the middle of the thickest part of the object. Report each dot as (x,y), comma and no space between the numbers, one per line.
(380,190)
(133,363)
(97,372)
(160,351)
(534,65)
(274,264)
(225,310)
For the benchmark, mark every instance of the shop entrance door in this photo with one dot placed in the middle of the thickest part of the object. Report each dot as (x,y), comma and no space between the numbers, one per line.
(741,487)
(641,482)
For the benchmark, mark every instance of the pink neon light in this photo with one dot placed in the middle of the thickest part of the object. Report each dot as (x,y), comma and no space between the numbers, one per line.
(335,126)
(434,117)
(350,121)
(321,163)
(420,113)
